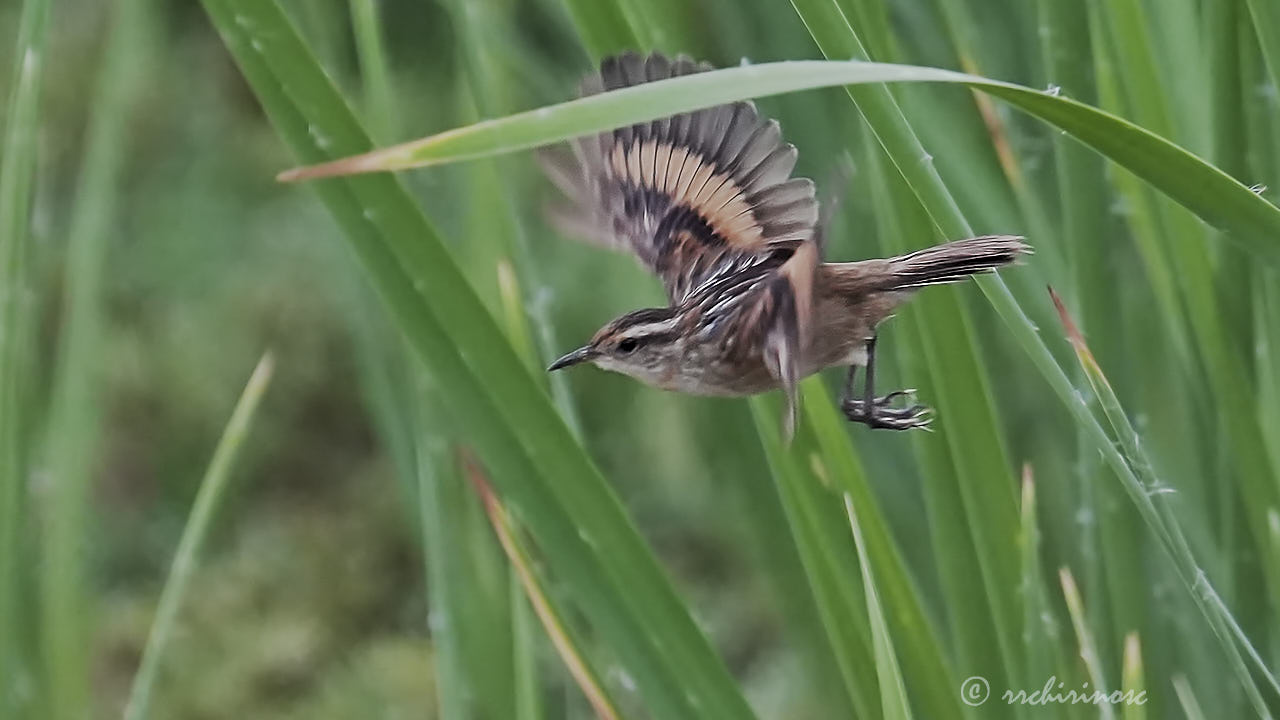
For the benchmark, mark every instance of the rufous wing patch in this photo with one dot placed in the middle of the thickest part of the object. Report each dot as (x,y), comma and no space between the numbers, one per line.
(662,168)
(688,180)
(720,172)
(689,164)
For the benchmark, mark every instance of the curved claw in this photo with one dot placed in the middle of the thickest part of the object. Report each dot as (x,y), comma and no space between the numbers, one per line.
(880,416)
(888,399)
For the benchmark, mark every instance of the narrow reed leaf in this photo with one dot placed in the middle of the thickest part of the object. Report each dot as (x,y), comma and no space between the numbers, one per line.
(1266,22)
(442,518)
(604,27)
(567,645)
(524,655)
(893,692)
(1212,194)
(1132,681)
(1042,637)
(1187,698)
(375,69)
(1084,639)
(208,498)
(1273,527)
(71,440)
(920,644)
(514,317)
(17,183)
(1267,360)
(838,600)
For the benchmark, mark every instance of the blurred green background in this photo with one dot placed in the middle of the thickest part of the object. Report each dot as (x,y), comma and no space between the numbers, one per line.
(314,598)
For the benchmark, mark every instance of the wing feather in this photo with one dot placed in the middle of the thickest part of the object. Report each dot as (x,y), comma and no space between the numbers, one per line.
(687,194)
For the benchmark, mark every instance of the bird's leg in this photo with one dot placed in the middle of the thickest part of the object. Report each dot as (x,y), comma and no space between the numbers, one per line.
(847,395)
(877,412)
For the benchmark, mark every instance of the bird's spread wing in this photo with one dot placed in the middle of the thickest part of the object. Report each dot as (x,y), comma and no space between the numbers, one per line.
(695,195)
(706,200)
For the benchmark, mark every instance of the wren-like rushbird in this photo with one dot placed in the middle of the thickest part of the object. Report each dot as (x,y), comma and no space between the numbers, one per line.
(707,202)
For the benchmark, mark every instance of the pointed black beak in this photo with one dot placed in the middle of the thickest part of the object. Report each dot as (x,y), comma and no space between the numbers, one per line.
(573,358)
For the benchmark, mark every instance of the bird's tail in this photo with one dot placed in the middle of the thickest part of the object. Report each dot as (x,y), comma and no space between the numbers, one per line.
(954,261)
(945,263)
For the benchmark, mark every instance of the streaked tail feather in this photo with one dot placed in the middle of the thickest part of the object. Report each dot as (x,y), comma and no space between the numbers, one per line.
(953,261)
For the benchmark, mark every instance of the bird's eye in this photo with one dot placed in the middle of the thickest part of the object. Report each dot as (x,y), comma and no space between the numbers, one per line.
(628,345)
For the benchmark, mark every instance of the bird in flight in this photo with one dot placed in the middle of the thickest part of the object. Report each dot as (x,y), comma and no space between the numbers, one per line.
(706,201)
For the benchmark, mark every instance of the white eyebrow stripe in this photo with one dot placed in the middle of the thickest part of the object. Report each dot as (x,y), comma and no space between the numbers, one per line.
(650,328)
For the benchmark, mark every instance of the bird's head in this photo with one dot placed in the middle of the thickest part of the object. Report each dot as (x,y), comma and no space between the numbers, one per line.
(645,344)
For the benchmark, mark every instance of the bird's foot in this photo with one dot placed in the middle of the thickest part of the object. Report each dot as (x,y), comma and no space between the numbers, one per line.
(881,414)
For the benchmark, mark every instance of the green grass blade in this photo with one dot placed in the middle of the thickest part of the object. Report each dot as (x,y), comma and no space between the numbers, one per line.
(524,657)
(1084,638)
(893,692)
(447,585)
(838,600)
(1267,308)
(1266,22)
(1043,641)
(918,642)
(375,70)
(1210,193)
(774,545)
(1187,698)
(542,475)
(1133,684)
(1273,520)
(17,183)
(212,488)
(552,618)
(468,585)
(71,439)
(603,26)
